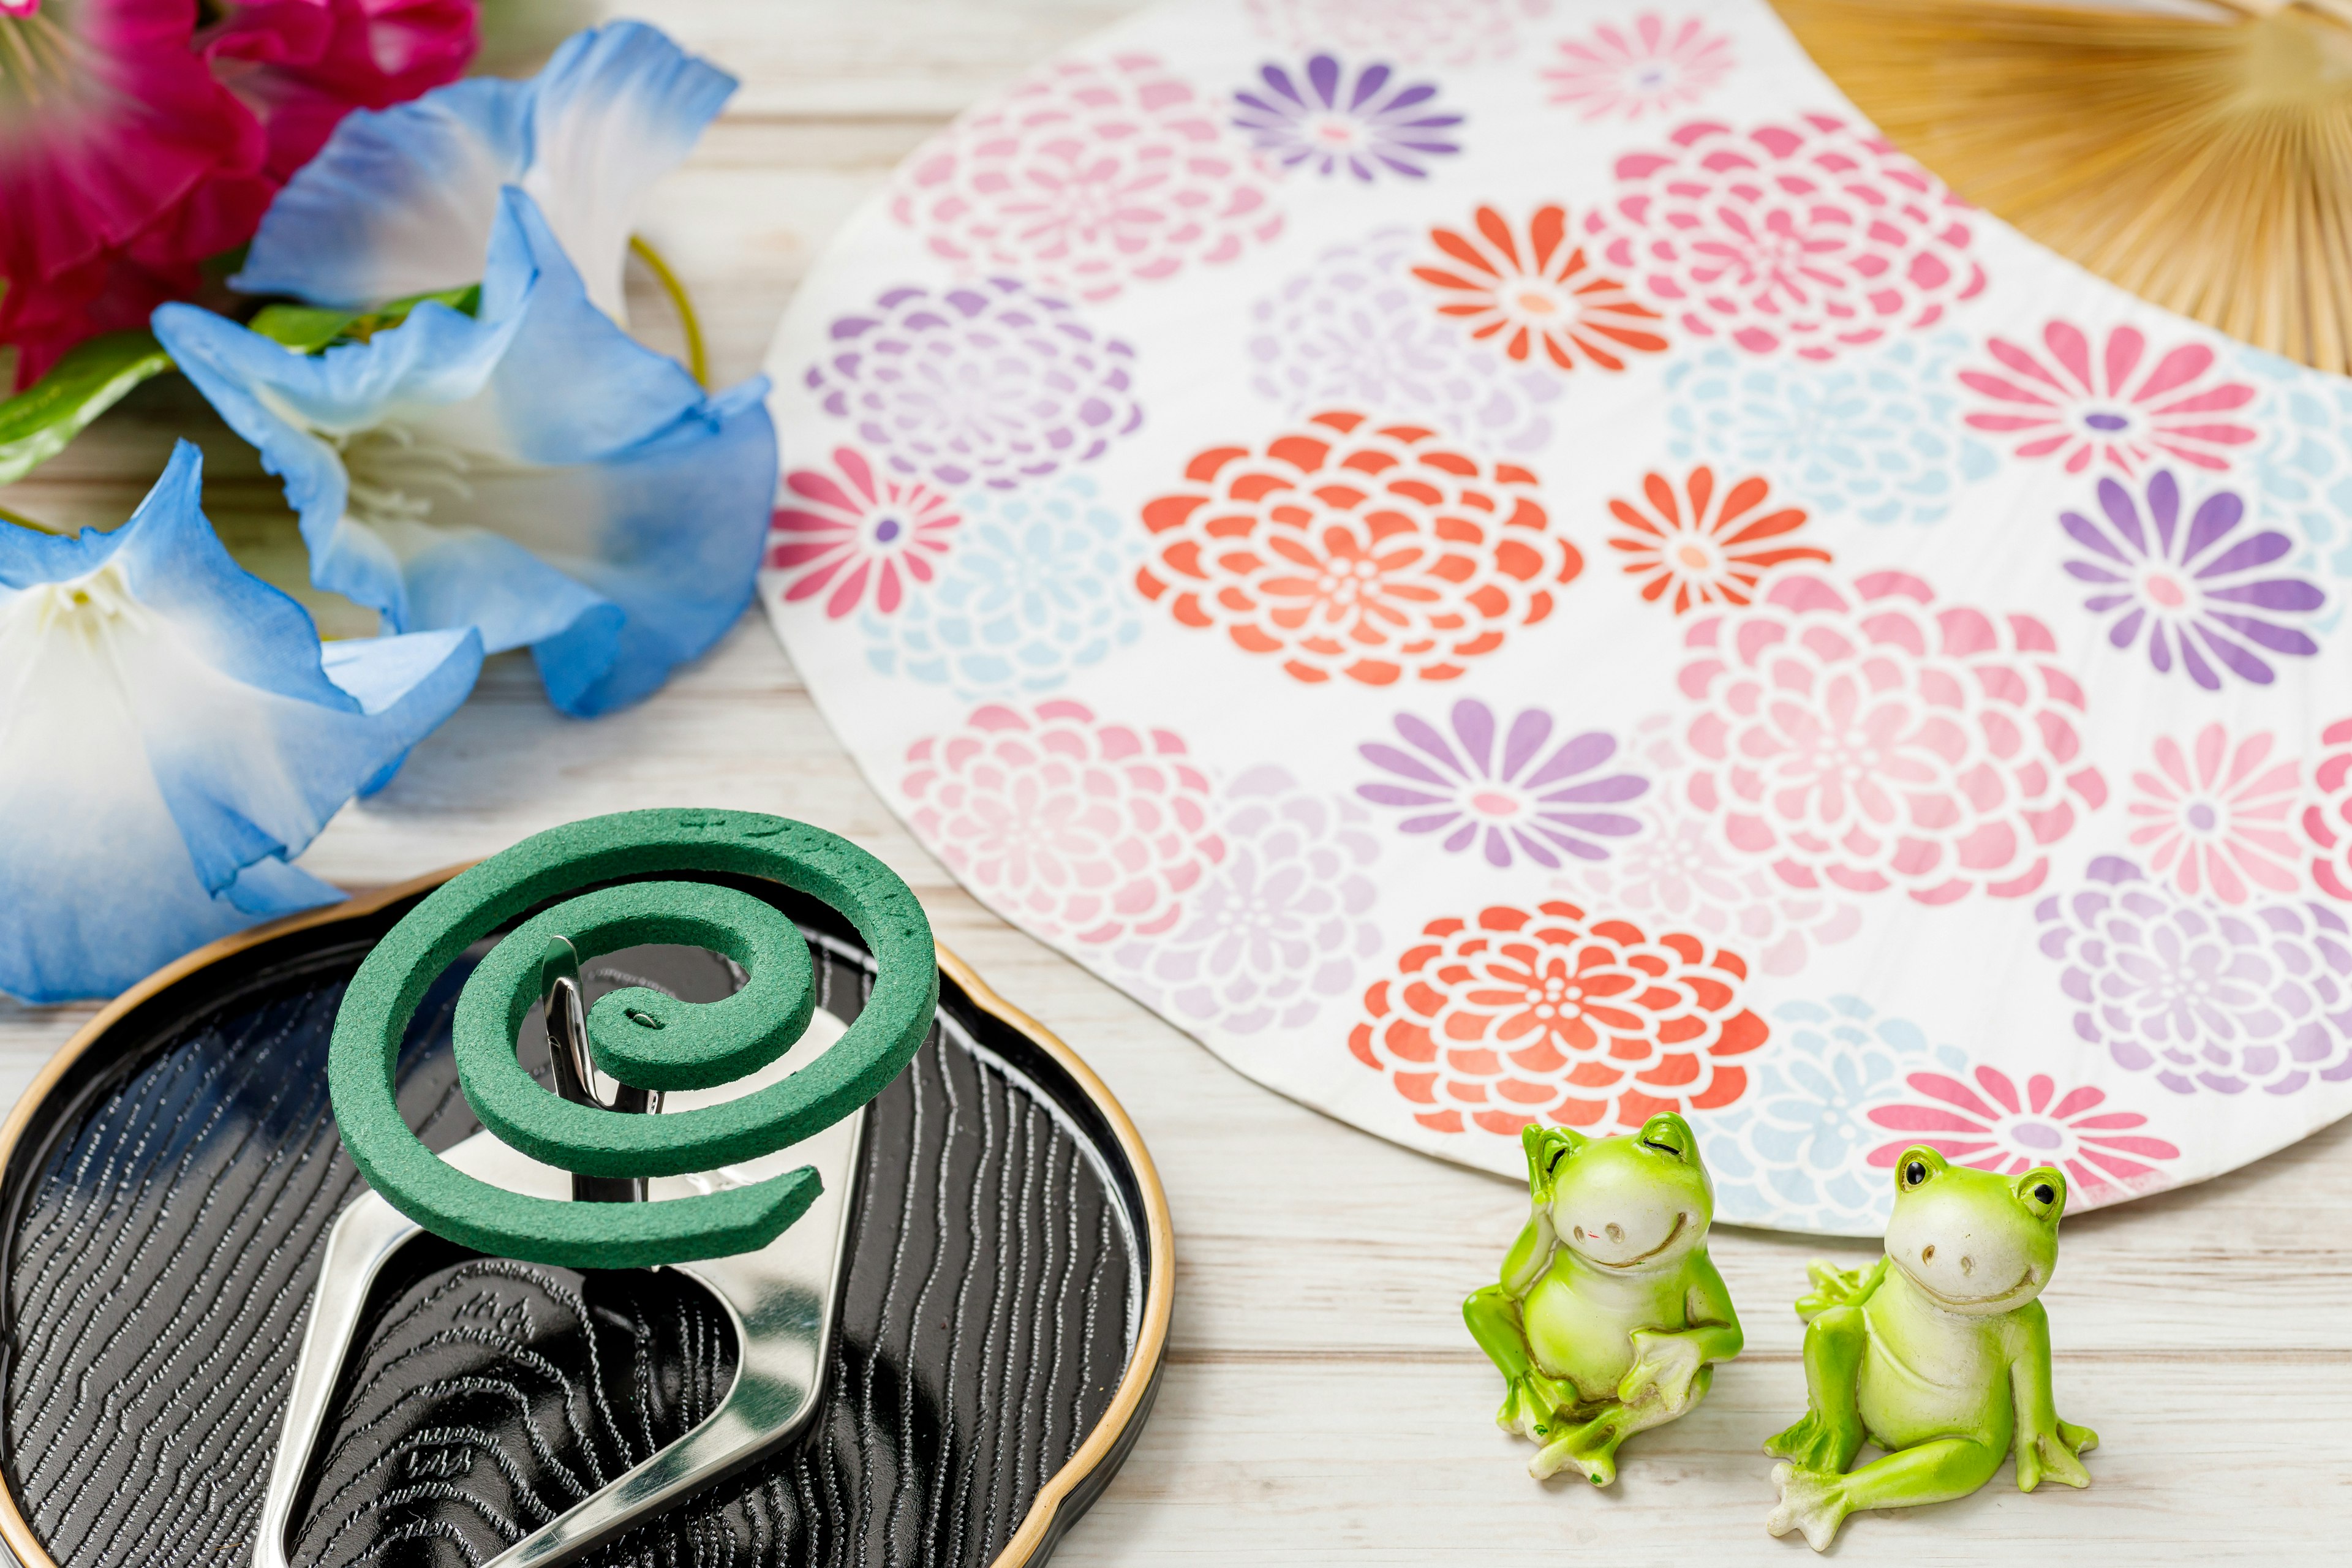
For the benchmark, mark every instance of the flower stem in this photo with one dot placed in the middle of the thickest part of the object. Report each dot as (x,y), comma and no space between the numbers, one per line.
(697,361)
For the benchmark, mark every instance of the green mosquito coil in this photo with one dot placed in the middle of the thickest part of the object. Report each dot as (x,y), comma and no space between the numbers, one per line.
(642,1038)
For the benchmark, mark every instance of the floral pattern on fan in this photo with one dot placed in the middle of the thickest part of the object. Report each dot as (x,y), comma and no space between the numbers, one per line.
(1520,802)
(1079,828)
(2201,593)
(2303,467)
(2217,819)
(988,384)
(1621,71)
(1874,433)
(1864,736)
(1519,1017)
(2327,820)
(1796,1150)
(2204,1000)
(1037,591)
(1710,546)
(1812,236)
(1676,872)
(1281,927)
(1536,299)
(2086,409)
(1373,552)
(1329,118)
(1990,1125)
(1088,176)
(1419,32)
(1355,330)
(847,532)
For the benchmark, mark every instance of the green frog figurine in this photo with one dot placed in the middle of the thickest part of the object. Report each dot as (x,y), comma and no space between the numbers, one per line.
(1609,1316)
(1939,1354)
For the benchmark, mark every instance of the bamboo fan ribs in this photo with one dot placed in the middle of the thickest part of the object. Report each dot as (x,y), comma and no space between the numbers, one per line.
(2201,157)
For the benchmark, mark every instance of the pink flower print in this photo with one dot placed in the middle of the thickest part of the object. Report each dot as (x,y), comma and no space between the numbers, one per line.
(1862,736)
(1086,177)
(2328,820)
(1626,73)
(1678,872)
(857,530)
(1991,1127)
(2217,819)
(1078,830)
(2086,408)
(1814,236)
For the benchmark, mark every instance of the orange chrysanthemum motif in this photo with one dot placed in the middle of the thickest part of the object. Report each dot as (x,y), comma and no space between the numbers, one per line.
(1539,294)
(1371,552)
(1523,1016)
(1710,549)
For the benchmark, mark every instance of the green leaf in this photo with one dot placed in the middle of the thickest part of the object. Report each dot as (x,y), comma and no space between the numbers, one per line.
(305,328)
(92,377)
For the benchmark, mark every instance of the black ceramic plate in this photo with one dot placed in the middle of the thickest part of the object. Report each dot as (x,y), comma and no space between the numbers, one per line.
(165,1184)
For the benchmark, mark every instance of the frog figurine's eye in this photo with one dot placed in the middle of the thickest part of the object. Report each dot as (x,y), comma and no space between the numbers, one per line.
(1668,1134)
(1918,1165)
(2043,1191)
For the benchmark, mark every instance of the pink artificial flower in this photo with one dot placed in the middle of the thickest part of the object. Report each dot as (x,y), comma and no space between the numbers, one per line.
(301,65)
(132,148)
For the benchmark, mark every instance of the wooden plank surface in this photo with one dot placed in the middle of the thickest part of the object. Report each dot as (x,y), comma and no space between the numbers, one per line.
(1322,1402)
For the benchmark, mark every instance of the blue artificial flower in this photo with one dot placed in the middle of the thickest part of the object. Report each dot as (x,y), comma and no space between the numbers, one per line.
(401,201)
(531,471)
(172,734)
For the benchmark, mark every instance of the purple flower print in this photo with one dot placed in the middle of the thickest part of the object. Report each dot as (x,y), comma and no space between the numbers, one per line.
(1330,119)
(1520,800)
(986,384)
(2194,591)
(2202,998)
(1281,927)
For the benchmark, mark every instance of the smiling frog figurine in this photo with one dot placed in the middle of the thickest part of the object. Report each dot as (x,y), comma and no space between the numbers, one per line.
(1609,1314)
(1939,1354)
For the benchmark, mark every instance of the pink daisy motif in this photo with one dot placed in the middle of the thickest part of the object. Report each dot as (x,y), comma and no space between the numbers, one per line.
(1626,73)
(856,532)
(2217,820)
(2086,408)
(2327,819)
(1992,1128)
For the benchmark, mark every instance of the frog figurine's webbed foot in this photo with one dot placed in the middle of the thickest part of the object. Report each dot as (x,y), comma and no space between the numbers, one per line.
(2054,1457)
(1812,1503)
(1536,1406)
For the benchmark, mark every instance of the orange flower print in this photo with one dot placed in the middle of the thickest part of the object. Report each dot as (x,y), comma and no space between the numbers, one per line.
(1522,1016)
(1708,549)
(1376,552)
(1537,294)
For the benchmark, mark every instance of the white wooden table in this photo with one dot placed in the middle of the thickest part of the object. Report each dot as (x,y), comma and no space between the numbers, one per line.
(1321,1401)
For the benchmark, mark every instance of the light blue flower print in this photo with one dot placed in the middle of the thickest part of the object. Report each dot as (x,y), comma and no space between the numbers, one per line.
(1793,1153)
(2303,469)
(1035,588)
(1876,434)
(174,735)
(529,470)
